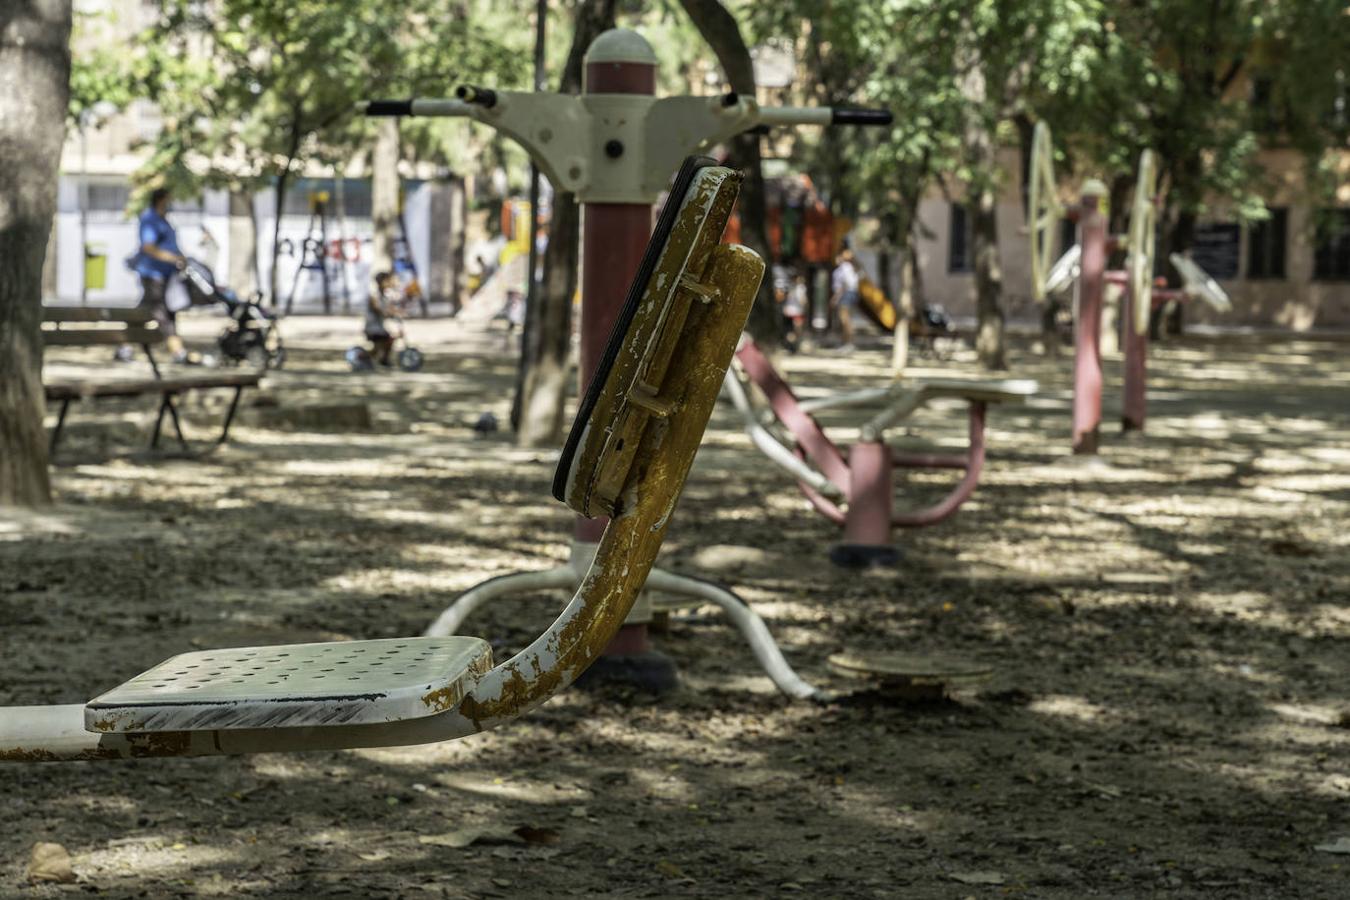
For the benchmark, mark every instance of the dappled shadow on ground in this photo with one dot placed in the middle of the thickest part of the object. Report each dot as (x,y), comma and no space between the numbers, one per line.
(1167,626)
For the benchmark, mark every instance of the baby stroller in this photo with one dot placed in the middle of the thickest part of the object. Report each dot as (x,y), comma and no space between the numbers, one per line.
(933,332)
(253,335)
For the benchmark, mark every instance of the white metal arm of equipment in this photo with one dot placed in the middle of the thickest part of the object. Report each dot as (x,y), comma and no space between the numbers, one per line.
(769,444)
(616,148)
(902,399)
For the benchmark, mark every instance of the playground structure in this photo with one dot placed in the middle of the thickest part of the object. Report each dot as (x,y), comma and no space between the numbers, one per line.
(615,146)
(1084,267)
(853,488)
(627,457)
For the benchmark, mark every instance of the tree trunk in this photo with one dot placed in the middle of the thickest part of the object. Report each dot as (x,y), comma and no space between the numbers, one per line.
(542,389)
(719,29)
(901,237)
(384,196)
(34,92)
(274,277)
(981,153)
(989,338)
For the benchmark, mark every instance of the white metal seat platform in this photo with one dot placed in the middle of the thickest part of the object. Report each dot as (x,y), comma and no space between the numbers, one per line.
(295,686)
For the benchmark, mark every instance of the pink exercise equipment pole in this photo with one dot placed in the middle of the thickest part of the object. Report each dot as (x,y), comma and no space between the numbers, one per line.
(1087,321)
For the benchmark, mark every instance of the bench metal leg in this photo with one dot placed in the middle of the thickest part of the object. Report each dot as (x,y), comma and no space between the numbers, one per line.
(159,421)
(60,423)
(154,366)
(166,405)
(229,415)
(177,425)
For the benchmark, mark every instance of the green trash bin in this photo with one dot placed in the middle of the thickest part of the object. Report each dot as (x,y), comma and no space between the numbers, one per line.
(95,267)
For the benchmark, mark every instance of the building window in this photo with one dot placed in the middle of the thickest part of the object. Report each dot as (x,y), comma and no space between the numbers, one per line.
(1266,109)
(1216,248)
(961,247)
(1265,245)
(1331,258)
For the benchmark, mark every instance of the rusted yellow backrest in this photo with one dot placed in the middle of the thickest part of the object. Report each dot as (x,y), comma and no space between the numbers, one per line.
(686,268)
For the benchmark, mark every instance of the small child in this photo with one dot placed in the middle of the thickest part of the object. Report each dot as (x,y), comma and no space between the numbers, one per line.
(381,303)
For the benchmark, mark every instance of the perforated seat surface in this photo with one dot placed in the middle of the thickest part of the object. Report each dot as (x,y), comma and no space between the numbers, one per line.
(295,686)
(1000,390)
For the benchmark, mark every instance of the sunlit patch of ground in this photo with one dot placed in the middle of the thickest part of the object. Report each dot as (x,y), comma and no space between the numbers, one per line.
(1168,626)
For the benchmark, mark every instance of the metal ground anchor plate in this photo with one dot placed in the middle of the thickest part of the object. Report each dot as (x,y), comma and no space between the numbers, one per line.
(295,686)
(914,676)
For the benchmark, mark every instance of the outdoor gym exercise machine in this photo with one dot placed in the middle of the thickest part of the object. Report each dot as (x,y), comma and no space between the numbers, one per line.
(614,147)
(1084,267)
(627,457)
(853,488)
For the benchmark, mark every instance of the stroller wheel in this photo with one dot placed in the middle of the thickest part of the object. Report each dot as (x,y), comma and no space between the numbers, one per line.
(358,359)
(410,359)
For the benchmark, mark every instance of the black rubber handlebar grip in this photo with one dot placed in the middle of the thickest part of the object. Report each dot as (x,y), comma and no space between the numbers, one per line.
(853,116)
(480,95)
(389,108)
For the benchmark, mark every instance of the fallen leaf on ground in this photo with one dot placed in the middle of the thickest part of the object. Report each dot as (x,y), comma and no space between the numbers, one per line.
(50,862)
(977,877)
(669,869)
(531,835)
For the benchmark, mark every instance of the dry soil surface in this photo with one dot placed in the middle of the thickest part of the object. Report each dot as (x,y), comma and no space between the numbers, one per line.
(1167,626)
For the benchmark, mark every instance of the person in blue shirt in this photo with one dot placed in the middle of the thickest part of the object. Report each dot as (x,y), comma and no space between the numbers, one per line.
(157,260)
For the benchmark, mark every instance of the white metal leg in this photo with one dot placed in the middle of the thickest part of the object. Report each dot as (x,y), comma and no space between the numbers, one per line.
(687,592)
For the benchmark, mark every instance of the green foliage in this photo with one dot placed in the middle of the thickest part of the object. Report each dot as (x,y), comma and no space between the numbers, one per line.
(251,90)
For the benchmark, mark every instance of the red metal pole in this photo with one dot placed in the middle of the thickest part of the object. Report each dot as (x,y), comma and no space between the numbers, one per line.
(1136,370)
(614,237)
(1087,362)
(867,523)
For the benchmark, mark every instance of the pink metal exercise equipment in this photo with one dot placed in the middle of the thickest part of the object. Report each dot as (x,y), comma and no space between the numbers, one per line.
(615,147)
(1083,267)
(854,488)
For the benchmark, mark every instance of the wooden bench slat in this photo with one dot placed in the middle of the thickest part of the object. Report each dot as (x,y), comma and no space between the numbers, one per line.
(133,314)
(92,337)
(69,389)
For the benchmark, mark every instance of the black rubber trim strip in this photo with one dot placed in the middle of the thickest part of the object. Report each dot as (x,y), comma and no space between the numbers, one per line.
(664,225)
(389,108)
(845,115)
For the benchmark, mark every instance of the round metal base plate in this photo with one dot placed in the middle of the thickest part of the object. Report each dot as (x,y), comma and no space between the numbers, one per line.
(914,675)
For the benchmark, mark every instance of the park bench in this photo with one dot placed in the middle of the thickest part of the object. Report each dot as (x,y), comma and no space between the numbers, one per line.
(627,458)
(113,326)
(852,487)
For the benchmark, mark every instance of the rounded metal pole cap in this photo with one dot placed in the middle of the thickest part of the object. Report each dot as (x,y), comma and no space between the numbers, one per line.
(620,45)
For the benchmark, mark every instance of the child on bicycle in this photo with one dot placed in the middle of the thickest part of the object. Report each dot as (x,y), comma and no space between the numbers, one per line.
(383,301)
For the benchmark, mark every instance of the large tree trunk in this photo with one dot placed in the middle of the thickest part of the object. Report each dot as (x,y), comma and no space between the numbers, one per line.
(901,238)
(989,339)
(34,92)
(543,384)
(981,152)
(719,29)
(384,196)
(274,277)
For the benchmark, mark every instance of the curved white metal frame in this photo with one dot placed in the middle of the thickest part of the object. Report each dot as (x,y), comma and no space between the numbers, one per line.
(1196,282)
(1143,240)
(1065,271)
(1043,209)
(684,592)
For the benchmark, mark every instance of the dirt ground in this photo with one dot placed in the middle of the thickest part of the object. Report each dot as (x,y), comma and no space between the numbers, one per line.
(1168,631)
